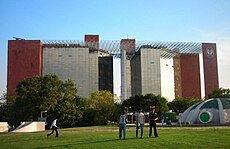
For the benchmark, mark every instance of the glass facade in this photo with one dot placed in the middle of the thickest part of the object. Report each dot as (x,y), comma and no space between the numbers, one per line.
(106,73)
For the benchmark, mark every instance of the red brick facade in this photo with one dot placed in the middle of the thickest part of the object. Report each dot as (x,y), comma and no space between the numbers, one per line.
(187,81)
(92,41)
(210,68)
(128,45)
(24,60)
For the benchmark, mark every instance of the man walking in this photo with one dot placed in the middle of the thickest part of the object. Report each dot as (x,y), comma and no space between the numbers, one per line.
(152,122)
(54,127)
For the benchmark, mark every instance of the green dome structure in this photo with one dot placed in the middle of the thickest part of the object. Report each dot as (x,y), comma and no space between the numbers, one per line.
(214,111)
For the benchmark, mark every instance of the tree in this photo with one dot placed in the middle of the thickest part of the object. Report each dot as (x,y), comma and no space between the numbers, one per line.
(3,108)
(220,93)
(27,104)
(179,105)
(101,108)
(3,99)
(145,101)
(49,94)
(68,107)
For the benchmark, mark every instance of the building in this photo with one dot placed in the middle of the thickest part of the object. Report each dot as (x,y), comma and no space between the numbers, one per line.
(145,62)
(89,63)
(88,66)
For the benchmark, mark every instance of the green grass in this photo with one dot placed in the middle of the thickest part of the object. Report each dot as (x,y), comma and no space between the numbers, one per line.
(107,137)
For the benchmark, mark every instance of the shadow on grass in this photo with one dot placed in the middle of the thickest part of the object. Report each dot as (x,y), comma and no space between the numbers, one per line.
(81,143)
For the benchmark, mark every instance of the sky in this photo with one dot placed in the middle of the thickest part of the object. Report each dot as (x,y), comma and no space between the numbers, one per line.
(144,20)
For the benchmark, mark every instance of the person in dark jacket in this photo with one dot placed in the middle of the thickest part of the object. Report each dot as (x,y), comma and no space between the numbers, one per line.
(152,122)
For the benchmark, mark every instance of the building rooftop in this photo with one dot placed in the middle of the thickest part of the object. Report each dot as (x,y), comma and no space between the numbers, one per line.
(168,49)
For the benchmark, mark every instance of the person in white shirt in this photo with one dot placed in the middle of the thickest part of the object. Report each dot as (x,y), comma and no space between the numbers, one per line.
(54,127)
(122,125)
(140,120)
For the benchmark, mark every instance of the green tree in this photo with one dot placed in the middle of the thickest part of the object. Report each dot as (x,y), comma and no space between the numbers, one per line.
(68,107)
(101,108)
(220,93)
(179,105)
(3,108)
(145,101)
(27,104)
(49,94)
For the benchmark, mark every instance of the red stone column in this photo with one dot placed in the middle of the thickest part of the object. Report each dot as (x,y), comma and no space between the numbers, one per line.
(211,81)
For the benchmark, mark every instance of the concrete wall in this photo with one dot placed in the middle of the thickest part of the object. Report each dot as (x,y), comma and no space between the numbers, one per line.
(4,127)
(150,71)
(93,72)
(30,127)
(128,78)
(75,63)
(167,79)
(136,75)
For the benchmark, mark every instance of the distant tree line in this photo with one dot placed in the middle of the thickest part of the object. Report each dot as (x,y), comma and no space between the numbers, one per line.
(60,99)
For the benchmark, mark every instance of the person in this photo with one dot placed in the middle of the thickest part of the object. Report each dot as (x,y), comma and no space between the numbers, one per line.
(140,123)
(162,119)
(122,125)
(180,119)
(152,122)
(54,127)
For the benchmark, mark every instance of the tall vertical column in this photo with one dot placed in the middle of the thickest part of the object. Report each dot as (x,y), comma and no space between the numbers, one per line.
(127,47)
(211,81)
(177,77)
(123,75)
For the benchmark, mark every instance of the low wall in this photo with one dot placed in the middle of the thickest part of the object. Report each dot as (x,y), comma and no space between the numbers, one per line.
(30,127)
(4,127)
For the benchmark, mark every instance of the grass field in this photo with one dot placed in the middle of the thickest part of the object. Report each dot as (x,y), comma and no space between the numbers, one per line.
(107,137)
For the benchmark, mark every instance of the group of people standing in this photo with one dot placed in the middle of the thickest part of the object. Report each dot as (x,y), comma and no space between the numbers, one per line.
(140,120)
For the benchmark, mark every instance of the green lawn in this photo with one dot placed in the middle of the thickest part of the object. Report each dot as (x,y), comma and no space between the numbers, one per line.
(107,137)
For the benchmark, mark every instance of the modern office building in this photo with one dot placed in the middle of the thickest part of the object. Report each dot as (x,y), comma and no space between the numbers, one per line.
(146,67)
(89,67)
(145,64)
